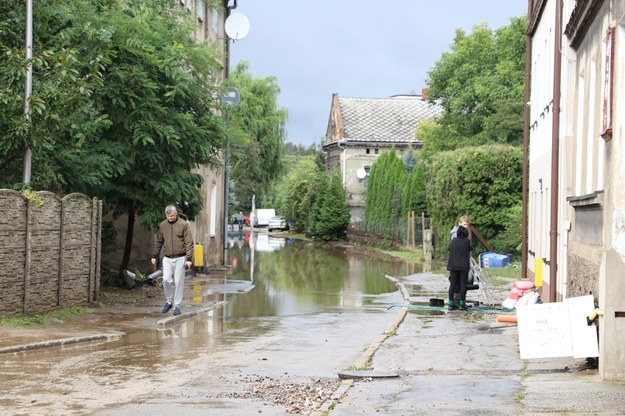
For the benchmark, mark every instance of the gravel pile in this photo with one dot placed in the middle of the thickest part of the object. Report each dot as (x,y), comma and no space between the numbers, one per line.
(297,398)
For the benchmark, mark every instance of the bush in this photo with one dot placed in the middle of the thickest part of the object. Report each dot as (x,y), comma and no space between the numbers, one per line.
(483,182)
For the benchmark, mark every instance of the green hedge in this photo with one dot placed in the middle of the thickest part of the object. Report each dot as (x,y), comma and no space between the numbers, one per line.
(483,182)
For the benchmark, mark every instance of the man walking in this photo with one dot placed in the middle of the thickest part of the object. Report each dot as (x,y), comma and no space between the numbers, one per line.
(240,218)
(174,237)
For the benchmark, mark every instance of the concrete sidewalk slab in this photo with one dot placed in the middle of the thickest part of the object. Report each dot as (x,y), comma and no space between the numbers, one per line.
(453,363)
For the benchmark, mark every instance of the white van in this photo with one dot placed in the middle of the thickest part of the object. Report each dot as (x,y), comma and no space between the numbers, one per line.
(260,217)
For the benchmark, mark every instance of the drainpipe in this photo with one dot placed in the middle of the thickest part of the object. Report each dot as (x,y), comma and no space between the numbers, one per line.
(341,145)
(555,155)
(526,141)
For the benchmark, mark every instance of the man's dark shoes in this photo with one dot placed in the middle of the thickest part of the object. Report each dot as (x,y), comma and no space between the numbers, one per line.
(167,307)
(177,310)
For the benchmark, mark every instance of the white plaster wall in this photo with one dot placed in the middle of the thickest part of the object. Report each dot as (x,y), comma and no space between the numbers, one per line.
(617,173)
(567,154)
(612,302)
(541,117)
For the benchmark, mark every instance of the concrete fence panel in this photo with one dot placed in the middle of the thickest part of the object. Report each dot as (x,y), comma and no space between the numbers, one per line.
(50,252)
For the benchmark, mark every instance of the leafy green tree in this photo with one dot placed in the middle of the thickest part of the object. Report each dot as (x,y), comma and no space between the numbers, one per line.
(257,130)
(158,99)
(296,192)
(245,176)
(479,84)
(299,149)
(67,67)
(148,118)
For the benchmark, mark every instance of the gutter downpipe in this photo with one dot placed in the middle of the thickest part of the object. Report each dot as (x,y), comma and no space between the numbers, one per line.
(526,140)
(341,145)
(555,155)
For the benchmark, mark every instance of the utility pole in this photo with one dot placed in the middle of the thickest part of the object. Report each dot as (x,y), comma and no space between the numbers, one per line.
(29,86)
(236,27)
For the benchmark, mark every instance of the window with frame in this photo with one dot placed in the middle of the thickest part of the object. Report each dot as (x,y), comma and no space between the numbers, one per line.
(200,10)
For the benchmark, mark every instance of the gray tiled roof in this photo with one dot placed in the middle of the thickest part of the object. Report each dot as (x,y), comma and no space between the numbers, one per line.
(392,119)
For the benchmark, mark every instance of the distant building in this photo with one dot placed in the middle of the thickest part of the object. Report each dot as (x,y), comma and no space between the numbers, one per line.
(361,129)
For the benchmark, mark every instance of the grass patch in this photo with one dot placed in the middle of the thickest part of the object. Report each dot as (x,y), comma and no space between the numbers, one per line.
(43,319)
(511,271)
(518,398)
(299,236)
(498,281)
(407,254)
(108,296)
(365,367)
(440,270)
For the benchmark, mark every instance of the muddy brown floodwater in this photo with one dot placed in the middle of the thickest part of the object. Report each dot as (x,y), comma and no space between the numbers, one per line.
(269,337)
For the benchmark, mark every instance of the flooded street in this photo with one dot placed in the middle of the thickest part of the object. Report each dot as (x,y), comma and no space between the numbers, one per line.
(287,313)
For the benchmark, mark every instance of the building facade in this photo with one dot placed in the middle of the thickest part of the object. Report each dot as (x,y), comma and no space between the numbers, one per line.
(576,183)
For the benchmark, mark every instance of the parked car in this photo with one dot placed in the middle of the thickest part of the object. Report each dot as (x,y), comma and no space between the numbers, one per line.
(277,222)
(261,216)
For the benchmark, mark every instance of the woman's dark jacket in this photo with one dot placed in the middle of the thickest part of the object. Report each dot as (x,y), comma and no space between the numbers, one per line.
(460,251)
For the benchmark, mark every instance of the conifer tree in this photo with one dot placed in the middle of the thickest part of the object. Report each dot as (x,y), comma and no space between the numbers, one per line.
(334,213)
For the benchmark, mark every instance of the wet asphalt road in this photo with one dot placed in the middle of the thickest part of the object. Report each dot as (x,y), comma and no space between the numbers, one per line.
(239,348)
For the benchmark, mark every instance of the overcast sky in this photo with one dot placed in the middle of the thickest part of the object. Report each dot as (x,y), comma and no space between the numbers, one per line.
(355,48)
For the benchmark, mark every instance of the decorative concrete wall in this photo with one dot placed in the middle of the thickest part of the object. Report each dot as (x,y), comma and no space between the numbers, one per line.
(49,251)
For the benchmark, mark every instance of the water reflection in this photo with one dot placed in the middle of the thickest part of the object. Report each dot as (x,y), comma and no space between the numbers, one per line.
(301,277)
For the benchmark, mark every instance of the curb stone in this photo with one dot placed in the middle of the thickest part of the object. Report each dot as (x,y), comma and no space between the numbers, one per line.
(345,384)
(185,315)
(61,342)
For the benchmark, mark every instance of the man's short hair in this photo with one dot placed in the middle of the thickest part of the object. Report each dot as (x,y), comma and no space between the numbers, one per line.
(170,208)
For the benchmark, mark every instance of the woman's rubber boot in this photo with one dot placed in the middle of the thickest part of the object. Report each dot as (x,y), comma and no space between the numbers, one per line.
(452,306)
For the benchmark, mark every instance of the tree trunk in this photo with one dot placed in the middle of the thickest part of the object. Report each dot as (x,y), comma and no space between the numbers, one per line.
(128,246)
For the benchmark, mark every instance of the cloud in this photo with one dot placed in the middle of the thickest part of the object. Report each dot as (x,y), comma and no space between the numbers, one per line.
(357,48)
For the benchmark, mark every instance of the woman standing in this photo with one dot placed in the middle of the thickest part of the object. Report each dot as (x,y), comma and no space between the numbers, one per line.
(459,264)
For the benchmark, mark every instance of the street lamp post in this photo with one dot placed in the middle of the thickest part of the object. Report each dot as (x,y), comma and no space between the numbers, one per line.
(236,27)
(230,99)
